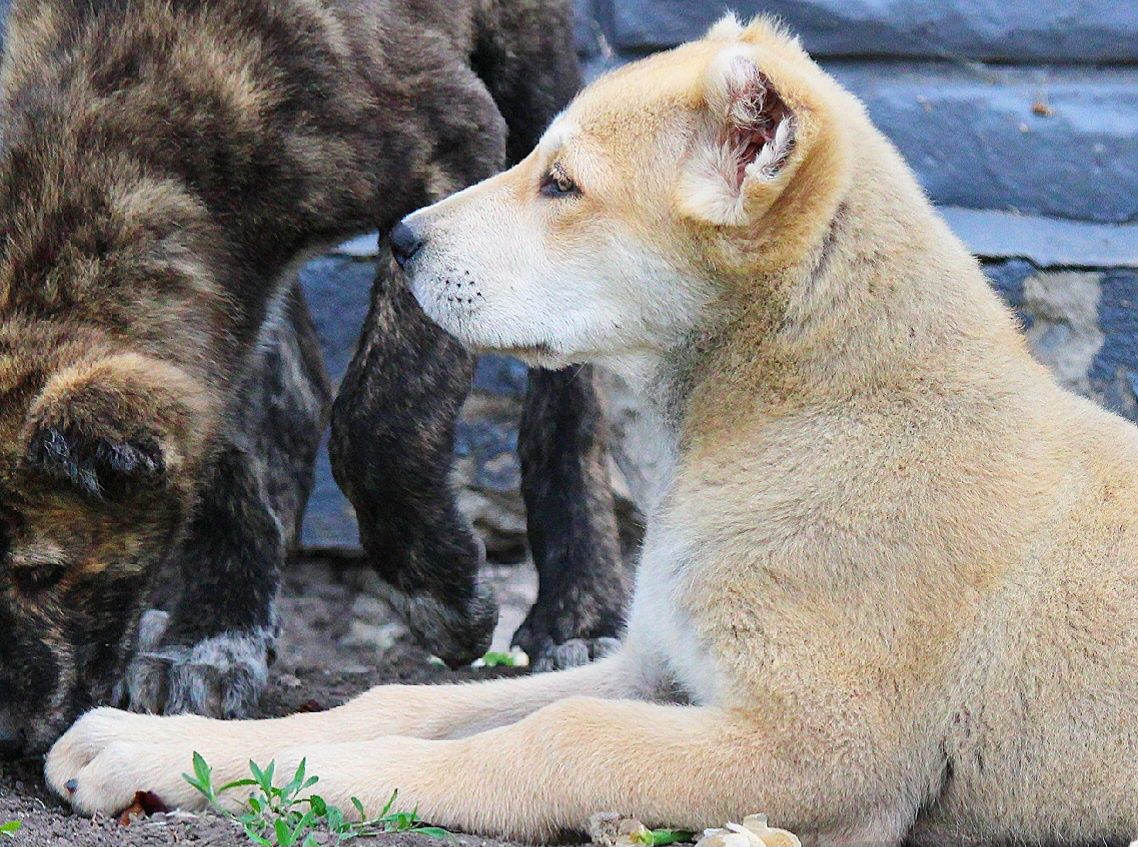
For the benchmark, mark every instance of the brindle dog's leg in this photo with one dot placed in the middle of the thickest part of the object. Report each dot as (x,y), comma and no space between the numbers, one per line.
(583,583)
(531,70)
(393,420)
(392,444)
(210,654)
(393,423)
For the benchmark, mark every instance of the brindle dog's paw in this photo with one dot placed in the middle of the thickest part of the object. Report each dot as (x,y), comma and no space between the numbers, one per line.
(570,654)
(220,677)
(578,624)
(457,635)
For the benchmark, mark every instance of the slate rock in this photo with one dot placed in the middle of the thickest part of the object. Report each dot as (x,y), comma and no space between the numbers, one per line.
(1010,30)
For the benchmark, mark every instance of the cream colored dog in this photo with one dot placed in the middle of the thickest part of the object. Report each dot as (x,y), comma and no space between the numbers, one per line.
(889,588)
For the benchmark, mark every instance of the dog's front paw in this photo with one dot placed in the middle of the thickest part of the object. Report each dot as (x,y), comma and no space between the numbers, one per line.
(110,755)
(456,634)
(221,676)
(550,656)
(562,635)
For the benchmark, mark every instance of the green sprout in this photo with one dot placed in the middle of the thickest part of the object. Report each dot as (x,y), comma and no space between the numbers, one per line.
(9,829)
(499,660)
(281,817)
(663,837)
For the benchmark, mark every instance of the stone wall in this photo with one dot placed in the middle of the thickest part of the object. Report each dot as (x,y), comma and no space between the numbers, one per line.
(1020,119)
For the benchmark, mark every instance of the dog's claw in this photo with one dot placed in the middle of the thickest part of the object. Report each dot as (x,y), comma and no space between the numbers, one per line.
(220,677)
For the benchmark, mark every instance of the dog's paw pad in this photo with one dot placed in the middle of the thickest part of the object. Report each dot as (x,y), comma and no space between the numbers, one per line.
(220,677)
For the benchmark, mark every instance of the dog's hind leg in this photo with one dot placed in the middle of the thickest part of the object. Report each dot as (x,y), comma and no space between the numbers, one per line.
(210,653)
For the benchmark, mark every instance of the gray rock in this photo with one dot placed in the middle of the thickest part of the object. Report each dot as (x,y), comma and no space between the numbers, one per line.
(1065,334)
(1044,242)
(1011,30)
(337,289)
(1114,371)
(1081,324)
(1056,142)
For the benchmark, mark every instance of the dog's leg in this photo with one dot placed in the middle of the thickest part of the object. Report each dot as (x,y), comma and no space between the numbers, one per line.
(393,420)
(392,445)
(681,766)
(209,655)
(583,583)
(427,711)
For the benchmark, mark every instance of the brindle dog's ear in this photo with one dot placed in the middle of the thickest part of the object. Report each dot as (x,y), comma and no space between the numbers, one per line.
(102,465)
(116,429)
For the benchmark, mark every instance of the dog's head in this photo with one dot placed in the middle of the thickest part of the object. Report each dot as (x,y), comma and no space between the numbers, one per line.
(668,185)
(97,461)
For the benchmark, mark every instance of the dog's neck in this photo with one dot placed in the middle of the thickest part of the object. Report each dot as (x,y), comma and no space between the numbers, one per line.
(883,296)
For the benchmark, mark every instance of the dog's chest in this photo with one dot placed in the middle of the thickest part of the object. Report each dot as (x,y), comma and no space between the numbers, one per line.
(661,624)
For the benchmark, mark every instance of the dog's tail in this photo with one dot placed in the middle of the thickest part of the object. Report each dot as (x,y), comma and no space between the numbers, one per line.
(523,52)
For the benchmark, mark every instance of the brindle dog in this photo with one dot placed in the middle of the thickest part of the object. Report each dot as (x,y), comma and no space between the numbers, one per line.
(163,164)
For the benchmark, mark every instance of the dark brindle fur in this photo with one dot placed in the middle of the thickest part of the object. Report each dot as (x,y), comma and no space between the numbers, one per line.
(163,164)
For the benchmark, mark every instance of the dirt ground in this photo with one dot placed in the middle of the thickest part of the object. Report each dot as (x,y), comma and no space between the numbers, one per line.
(338,641)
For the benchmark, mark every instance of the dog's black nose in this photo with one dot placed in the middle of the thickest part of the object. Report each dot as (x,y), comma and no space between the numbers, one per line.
(404,244)
(13,740)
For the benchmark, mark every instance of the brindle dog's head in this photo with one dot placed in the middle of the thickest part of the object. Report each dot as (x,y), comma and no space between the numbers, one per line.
(98,454)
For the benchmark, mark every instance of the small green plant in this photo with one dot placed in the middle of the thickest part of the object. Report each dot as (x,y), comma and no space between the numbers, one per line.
(499,660)
(281,817)
(10,828)
(663,837)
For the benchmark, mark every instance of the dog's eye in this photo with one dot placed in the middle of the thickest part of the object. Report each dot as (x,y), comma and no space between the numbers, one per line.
(557,183)
(31,579)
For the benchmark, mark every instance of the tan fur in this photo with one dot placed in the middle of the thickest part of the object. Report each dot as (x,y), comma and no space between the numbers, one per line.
(893,572)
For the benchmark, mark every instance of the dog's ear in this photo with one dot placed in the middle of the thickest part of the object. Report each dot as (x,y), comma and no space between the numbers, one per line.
(748,138)
(116,429)
(106,466)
